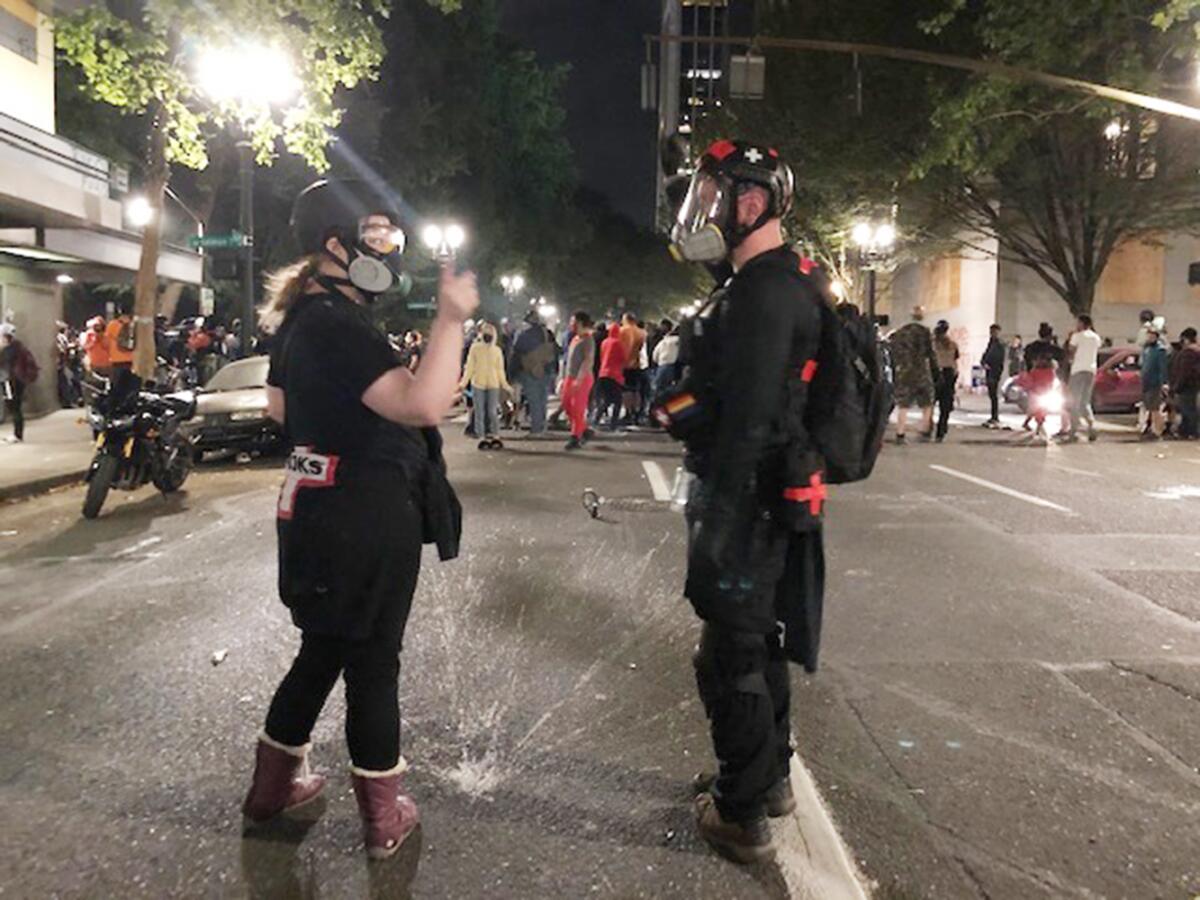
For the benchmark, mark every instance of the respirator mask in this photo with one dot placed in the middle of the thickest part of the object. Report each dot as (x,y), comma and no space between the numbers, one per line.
(698,234)
(374,253)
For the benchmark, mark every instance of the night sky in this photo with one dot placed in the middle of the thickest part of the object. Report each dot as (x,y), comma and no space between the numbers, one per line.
(614,140)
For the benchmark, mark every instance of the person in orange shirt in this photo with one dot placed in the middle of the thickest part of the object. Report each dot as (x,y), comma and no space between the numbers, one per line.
(118,341)
(633,338)
(92,343)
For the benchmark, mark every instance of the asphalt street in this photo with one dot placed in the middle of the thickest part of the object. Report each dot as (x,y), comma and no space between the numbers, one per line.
(1007,705)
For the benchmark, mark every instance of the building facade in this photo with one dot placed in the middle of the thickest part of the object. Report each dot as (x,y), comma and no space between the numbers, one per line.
(973,290)
(61,213)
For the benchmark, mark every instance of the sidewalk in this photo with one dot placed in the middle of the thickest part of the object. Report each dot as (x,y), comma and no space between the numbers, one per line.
(57,450)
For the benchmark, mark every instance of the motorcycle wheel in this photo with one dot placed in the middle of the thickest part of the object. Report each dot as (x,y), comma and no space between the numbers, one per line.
(177,470)
(102,479)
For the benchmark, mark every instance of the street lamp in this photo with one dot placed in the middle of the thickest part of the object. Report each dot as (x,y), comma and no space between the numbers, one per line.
(138,212)
(443,241)
(513,284)
(252,78)
(875,243)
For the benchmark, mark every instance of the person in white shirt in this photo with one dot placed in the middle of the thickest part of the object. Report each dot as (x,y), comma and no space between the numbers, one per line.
(666,359)
(1084,346)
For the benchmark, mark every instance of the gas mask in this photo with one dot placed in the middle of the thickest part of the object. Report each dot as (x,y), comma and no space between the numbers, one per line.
(374,260)
(698,234)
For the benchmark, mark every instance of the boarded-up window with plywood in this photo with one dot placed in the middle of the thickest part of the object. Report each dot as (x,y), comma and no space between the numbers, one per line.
(941,283)
(1134,275)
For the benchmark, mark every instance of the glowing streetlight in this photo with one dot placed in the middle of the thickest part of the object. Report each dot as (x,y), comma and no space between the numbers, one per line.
(138,212)
(875,243)
(512,284)
(249,75)
(64,278)
(1113,130)
(443,241)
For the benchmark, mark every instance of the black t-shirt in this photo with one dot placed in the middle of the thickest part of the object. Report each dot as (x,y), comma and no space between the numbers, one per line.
(326,354)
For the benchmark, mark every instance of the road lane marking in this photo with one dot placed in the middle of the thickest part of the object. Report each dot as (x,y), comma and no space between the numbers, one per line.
(658,481)
(1083,472)
(1001,489)
(140,545)
(812,856)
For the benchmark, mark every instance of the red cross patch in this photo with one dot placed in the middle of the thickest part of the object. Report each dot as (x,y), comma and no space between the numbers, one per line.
(814,495)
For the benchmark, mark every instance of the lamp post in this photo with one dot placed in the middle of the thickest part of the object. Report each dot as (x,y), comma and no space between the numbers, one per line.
(875,243)
(251,78)
(443,240)
(513,285)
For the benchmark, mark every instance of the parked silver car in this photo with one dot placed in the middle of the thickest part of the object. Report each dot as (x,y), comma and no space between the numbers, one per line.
(231,410)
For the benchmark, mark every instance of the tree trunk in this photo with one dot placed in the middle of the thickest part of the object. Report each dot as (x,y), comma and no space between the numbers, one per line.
(145,297)
(1082,297)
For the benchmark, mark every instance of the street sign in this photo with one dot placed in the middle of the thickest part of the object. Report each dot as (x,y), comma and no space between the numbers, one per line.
(208,301)
(231,241)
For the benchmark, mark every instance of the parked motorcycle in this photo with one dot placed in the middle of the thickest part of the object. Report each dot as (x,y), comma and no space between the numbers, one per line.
(138,441)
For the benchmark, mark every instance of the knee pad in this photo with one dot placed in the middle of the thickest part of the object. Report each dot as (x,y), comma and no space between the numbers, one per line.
(730,663)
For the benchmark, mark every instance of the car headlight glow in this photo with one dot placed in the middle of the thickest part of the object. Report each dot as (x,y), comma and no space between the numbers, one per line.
(1052,400)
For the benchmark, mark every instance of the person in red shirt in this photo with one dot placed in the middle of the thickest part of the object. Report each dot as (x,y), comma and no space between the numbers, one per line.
(611,385)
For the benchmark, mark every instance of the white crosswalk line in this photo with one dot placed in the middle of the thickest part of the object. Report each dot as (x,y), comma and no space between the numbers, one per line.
(658,481)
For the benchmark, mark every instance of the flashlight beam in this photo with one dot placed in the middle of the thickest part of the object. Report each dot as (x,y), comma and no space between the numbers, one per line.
(979,66)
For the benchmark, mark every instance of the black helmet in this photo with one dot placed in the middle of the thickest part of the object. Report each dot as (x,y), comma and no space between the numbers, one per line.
(334,208)
(706,226)
(745,162)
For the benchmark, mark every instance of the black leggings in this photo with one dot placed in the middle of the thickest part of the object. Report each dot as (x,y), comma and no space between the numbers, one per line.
(17,387)
(371,669)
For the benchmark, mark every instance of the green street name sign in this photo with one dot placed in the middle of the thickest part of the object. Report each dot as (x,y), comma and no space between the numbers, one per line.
(231,241)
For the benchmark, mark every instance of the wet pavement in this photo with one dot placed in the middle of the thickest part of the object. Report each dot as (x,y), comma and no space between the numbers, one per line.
(1007,707)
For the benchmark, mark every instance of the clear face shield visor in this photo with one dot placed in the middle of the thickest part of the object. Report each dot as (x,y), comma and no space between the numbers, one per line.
(697,235)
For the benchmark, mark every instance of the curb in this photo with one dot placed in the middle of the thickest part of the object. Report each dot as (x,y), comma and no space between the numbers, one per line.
(812,857)
(40,485)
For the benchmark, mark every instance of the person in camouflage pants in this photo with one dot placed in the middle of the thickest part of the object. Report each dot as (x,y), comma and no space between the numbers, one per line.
(913,364)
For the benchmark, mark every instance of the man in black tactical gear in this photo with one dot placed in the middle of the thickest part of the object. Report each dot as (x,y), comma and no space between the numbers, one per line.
(756,564)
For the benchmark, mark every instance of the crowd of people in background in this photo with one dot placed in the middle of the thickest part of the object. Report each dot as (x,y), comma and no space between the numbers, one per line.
(605,373)
(1059,377)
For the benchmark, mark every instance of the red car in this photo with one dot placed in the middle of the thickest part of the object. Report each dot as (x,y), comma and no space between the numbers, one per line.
(1118,382)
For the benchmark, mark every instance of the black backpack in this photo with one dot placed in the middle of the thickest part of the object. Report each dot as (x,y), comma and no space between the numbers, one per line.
(850,396)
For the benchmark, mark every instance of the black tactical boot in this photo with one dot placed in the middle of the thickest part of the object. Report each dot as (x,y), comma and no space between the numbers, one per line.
(740,842)
(778,799)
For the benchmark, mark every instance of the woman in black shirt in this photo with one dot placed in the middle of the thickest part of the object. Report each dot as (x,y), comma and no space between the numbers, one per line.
(355,504)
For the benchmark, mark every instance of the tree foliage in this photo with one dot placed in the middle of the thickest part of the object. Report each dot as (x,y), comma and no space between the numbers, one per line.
(850,129)
(1058,180)
(470,125)
(141,57)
